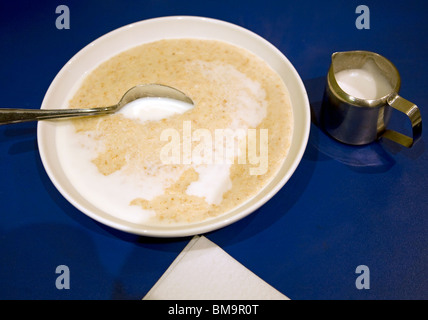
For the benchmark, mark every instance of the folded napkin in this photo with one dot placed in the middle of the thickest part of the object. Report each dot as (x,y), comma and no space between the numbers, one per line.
(203,271)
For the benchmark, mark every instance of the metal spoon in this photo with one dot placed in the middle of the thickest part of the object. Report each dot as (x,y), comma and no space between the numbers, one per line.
(140,91)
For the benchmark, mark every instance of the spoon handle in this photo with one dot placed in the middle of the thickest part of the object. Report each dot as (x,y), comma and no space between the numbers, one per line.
(22,115)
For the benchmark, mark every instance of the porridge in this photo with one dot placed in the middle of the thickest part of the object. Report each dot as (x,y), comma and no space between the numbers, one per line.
(187,165)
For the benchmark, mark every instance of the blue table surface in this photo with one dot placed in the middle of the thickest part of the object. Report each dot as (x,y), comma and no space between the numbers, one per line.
(343,207)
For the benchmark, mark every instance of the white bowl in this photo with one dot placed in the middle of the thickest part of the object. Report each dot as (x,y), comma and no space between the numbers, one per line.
(151,30)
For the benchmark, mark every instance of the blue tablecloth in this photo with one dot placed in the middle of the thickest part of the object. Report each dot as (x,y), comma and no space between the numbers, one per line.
(344,206)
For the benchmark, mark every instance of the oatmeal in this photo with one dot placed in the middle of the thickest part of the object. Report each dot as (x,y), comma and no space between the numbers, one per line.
(191,165)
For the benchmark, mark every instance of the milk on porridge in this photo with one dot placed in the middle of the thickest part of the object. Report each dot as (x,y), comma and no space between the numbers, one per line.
(116,161)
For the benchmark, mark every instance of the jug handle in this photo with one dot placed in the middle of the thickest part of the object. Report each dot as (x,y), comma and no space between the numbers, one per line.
(412,111)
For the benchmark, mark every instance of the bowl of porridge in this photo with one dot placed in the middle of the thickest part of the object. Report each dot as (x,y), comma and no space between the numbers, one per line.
(160,169)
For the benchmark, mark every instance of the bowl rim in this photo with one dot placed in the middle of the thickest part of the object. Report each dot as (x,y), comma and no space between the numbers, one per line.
(203,226)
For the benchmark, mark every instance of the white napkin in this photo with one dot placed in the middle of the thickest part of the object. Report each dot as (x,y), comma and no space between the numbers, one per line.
(203,271)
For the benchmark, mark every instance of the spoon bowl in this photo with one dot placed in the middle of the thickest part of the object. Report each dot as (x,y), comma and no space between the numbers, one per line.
(8,116)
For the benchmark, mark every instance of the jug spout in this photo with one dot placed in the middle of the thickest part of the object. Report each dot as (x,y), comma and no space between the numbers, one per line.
(350,59)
